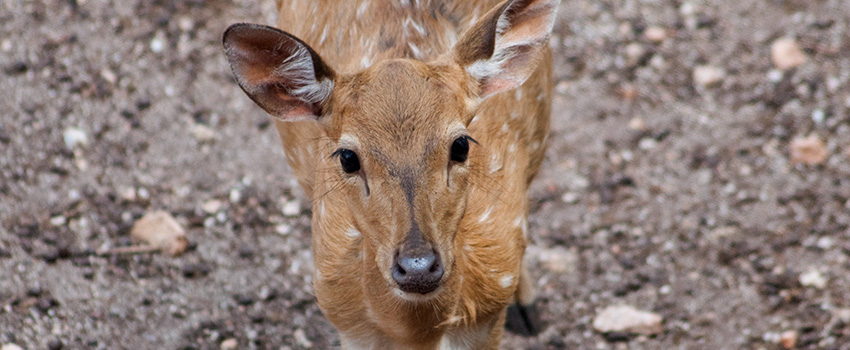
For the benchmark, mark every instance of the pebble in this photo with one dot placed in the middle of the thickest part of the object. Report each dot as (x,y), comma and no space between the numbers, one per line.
(570,198)
(788,339)
(157,44)
(74,137)
(292,208)
(235,196)
(58,220)
(229,344)
(634,52)
(301,338)
(706,76)
(557,259)
(655,34)
(813,278)
(211,206)
(160,229)
(11,346)
(637,124)
(786,54)
(283,229)
(818,116)
(624,318)
(203,133)
(809,150)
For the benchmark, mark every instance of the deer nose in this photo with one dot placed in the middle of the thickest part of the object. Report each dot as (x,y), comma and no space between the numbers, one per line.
(417,272)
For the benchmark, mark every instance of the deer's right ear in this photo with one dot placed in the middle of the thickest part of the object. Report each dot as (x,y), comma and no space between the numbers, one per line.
(278,71)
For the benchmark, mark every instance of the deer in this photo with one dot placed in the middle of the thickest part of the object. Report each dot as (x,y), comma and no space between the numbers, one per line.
(415,128)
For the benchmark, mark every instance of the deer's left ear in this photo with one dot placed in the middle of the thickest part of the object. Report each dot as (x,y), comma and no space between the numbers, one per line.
(503,48)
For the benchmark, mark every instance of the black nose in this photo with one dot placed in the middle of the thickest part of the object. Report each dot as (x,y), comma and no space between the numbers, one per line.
(417,273)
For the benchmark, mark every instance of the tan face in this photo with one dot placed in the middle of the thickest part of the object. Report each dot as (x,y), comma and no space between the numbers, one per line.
(402,162)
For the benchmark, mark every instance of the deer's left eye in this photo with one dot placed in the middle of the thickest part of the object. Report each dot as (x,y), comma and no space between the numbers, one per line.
(460,149)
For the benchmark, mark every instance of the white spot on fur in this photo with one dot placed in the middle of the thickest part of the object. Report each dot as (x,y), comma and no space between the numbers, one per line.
(410,23)
(352,232)
(486,214)
(362,9)
(512,147)
(519,220)
(495,165)
(518,94)
(505,127)
(417,53)
(324,35)
(365,62)
(506,281)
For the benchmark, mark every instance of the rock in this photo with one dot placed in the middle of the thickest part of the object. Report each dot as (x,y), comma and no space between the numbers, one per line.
(634,52)
(786,54)
(203,133)
(292,208)
(229,344)
(706,76)
(74,137)
(301,338)
(157,44)
(813,278)
(637,124)
(160,229)
(788,339)
(557,260)
(809,150)
(55,344)
(655,34)
(624,318)
(211,206)
(11,346)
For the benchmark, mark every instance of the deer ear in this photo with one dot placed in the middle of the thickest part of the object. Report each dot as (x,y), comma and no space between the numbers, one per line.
(278,71)
(503,48)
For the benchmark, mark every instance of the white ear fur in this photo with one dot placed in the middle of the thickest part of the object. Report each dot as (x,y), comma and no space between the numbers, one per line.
(521,33)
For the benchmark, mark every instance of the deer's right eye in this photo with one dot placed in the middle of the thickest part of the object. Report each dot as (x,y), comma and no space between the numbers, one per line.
(349,161)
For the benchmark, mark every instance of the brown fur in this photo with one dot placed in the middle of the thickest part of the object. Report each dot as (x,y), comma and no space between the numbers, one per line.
(401,115)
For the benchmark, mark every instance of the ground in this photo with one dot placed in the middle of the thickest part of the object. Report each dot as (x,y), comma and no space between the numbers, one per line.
(660,189)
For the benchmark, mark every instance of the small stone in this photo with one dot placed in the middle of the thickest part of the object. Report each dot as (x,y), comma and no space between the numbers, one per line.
(292,208)
(809,150)
(58,220)
(788,339)
(229,344)
(283,229)
(634,52)
(570,198)
(818,116)
(243,299)
(127,193)
(74,137)
(637,124)
(109,76)
(301,338)
(775,75)
(558,259)
(185,23)
(11,346)
(706,76)
(235,196)
(813,278)
(786,54)
(211,206)
(160,229)
(157,44)
(203,133)
(655,34)
(624,318)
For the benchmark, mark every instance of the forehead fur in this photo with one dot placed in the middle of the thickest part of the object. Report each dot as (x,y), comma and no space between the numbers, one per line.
(400,105)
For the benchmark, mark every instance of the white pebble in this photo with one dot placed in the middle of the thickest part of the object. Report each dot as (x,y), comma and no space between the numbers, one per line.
(157,44)
(624,318)
(235,196)
(74,137)
(11,346)
(708,75)
(818,116)
(292,208)
(813,278)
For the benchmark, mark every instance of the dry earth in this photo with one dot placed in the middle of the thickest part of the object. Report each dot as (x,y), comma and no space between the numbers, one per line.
(669,183)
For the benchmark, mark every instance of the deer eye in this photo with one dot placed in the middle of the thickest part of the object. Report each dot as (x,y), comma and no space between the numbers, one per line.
(460,149)
(348,159)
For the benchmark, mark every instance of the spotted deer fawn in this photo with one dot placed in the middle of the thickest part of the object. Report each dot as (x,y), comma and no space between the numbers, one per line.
(415,126)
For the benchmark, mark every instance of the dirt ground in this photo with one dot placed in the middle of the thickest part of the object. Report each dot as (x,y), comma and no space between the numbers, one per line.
(659,190)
